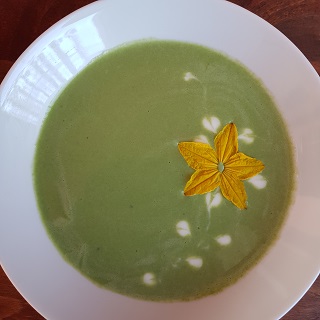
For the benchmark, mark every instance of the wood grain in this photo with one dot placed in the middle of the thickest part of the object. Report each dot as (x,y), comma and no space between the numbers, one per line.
(299,20)
(22,21)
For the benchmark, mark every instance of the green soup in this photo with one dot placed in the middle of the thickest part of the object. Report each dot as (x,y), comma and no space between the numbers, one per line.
(109,178)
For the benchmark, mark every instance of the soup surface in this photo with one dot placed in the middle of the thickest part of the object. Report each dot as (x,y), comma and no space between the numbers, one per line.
(109,177)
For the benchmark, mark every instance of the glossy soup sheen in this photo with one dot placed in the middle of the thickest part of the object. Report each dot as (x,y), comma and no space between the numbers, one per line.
(109,178)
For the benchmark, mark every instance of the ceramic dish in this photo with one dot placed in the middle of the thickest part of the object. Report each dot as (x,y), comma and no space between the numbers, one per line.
(28,256)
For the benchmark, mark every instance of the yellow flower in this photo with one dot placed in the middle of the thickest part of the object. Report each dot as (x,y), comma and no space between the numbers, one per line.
(223,167)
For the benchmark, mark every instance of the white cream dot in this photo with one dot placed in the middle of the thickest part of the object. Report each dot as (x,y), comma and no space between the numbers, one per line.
(258,181)
(195,262)
(223,240)
(189,76)
(212,124)
(202,139)
(183,228)
(149,279)
(246,136)
(213,200)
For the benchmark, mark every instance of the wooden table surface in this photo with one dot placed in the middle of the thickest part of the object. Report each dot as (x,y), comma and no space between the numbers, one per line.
(22,21)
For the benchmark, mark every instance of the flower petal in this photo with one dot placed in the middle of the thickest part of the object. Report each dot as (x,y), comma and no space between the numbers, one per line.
(233,189)
(243,166)
(226,142)
(202,181)
(198,155)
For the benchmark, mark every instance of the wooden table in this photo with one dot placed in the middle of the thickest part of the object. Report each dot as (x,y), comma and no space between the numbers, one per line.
(22,21)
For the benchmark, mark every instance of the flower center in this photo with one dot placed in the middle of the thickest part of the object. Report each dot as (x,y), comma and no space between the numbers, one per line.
(220,167)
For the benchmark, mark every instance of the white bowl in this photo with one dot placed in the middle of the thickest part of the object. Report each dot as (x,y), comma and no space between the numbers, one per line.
(29,258)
